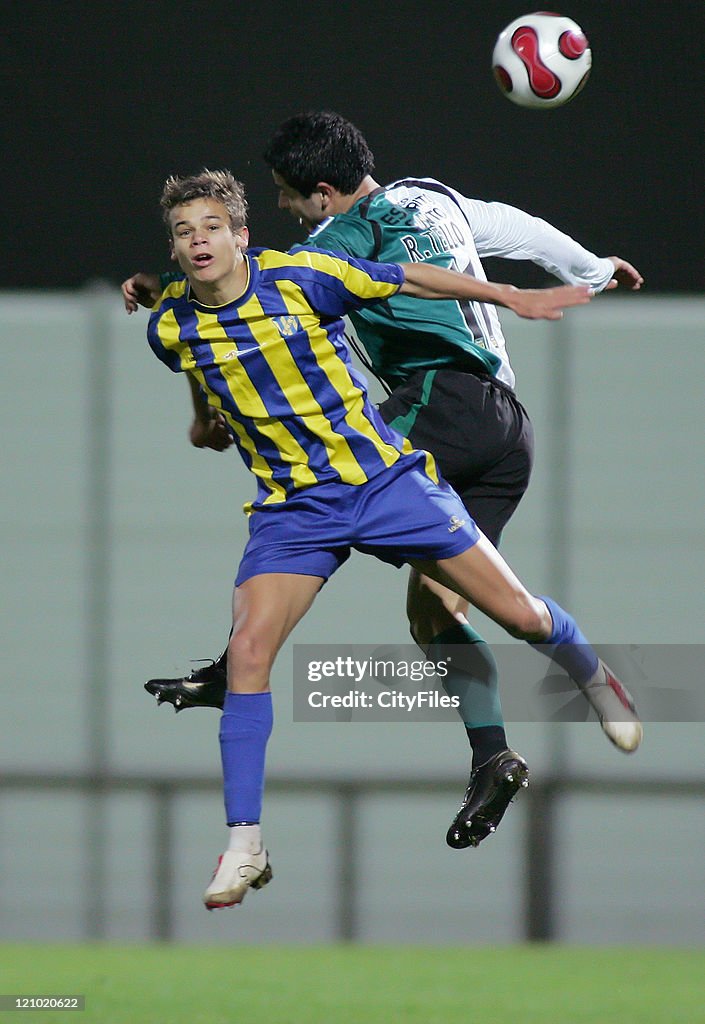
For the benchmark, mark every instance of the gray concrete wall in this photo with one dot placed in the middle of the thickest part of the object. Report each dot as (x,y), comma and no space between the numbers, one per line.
(120,544)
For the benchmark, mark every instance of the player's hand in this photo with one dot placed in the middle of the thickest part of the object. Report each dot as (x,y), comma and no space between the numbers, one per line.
(140,290)
(548,303)
(625,275)
(211,434)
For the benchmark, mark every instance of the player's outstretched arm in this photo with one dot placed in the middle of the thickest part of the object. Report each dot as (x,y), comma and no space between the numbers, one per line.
(427,282)
(140,290)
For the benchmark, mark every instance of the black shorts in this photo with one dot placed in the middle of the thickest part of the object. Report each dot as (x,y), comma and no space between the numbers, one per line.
(479,433)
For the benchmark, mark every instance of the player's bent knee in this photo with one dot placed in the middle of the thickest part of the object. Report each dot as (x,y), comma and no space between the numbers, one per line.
(430,612)
(527,622)
(251,653)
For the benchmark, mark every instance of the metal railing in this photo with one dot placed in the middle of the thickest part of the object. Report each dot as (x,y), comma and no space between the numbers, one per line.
(542,801)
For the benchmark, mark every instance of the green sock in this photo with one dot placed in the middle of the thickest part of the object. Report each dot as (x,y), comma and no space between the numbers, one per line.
(472,678)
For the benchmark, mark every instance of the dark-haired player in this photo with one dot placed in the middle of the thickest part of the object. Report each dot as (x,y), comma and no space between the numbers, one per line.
(453,392)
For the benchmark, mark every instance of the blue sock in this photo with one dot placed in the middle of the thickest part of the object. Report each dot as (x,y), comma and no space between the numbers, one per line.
(245,727)
(472,674)
(568,646)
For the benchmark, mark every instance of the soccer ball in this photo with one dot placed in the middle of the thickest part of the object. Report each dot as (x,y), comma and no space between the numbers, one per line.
(541,60)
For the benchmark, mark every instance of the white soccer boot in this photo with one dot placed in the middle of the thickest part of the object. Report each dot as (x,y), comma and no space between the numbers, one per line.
(237,872)
(615,708)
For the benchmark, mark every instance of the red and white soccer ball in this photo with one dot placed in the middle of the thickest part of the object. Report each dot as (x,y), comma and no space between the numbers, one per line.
(541,60)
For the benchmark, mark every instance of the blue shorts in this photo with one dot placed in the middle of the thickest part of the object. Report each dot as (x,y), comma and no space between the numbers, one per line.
(398,516)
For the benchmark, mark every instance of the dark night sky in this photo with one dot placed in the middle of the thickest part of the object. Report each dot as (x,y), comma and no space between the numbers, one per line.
(103,101)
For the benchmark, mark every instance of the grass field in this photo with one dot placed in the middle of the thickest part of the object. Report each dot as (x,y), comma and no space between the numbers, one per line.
(361,984)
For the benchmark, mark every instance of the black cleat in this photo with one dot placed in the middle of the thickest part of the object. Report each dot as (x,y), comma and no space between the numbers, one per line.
(203,688)
(491,789)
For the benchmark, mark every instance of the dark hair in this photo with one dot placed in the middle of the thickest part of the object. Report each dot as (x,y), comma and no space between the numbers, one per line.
(320,146)
(207,184)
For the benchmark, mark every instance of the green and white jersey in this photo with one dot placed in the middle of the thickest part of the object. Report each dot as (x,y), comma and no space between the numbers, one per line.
(421,220)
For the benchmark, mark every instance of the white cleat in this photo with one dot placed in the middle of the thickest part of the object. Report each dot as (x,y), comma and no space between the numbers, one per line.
(615,708)
(237,872)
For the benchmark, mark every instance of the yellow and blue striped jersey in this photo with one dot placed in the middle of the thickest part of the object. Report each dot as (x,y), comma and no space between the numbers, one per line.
(275,362)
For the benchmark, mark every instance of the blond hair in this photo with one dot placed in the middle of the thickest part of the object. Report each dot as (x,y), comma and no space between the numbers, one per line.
(220,185)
